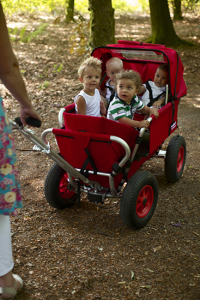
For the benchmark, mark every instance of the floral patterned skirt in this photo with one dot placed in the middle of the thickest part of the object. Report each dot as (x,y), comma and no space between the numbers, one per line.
(10,194)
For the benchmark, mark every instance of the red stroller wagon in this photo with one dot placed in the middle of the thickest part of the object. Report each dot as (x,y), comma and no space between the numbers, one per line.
(101,157)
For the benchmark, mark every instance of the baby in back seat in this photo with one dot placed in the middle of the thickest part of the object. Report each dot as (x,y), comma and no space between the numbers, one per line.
(154,91)
(113,66)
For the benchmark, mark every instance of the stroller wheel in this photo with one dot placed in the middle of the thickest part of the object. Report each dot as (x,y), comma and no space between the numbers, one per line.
(175,158)
(56,189)
(139,200)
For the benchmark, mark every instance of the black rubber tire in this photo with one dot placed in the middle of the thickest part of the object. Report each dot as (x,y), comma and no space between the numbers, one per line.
(52,188)
(135,213)
(175,158)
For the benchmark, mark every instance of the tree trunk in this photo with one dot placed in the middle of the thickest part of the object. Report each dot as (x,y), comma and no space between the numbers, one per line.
(162,29)
(70,11)
(102,23)
(177,9)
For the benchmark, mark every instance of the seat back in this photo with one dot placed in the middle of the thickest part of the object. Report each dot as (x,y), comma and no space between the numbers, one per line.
(86,137)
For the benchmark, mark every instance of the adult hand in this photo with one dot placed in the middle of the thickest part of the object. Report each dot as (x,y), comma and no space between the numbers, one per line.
(28,111)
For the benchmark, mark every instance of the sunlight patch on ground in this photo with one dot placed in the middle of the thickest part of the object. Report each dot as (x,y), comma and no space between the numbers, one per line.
(198,104)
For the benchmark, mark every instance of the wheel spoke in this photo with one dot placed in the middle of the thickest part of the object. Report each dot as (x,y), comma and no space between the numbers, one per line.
(63,188)
(146,193)
(140,199)
(139,206)
(144,201)
(180,159)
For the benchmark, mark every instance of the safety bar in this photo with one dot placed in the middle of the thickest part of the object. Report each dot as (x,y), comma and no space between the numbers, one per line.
(60,117)
(142,131)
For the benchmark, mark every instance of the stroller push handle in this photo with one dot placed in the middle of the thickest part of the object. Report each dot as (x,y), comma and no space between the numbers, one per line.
(30,121)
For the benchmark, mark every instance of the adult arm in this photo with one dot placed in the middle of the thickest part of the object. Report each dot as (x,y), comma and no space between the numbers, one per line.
(10,73)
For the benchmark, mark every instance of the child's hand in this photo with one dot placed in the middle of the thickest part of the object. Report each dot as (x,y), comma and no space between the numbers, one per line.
(103,109)
(157,103)
(144,123)
(154,111)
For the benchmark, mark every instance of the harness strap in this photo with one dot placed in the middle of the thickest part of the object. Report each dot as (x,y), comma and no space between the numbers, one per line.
(90,161)
(112,90)
(152,100)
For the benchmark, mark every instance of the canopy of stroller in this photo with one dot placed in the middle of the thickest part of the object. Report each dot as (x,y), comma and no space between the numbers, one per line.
(145,58)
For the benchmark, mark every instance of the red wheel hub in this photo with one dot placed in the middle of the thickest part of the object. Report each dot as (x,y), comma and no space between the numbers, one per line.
(144,201)
(180,159)
(63,187)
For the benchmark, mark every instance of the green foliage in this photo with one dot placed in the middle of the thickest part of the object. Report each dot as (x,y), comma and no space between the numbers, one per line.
(44,74)
(118,5)
(80,36)
(22,33)
(13,32)
(23,72)
(45,84)
(81,5)
(188,6)
(28,37)
(191,5)
(24,37)
(12,6)
(130,6)
(58,67)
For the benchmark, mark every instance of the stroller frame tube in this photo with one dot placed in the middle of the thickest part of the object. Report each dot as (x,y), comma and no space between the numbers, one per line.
(45,147)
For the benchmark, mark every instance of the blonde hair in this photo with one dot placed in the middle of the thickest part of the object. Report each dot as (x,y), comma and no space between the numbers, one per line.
(129,74)
(92,62)
(114,60)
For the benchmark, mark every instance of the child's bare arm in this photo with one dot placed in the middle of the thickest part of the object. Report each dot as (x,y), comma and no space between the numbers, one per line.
(134,123)
(81,105)
(104,101)
(142,89)
(103,110)
(102,92)
(150,111)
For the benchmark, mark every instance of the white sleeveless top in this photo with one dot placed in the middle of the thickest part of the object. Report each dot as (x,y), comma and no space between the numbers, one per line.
(145,98)
(108,92)
(92,103)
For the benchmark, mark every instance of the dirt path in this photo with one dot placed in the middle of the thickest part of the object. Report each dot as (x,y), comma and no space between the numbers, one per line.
(88,253)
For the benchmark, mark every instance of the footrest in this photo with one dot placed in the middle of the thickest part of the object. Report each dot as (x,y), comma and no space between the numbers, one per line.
(143,149)
(97,196)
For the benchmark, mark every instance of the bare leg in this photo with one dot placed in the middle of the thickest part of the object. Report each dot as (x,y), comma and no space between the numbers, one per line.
(6,261)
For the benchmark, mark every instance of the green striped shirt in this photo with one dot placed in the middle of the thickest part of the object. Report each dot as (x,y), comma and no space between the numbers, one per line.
(119,109)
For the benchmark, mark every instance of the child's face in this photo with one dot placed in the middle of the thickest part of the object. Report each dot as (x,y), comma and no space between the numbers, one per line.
(91,78)
(113,69)
(126,89)
(160,78)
